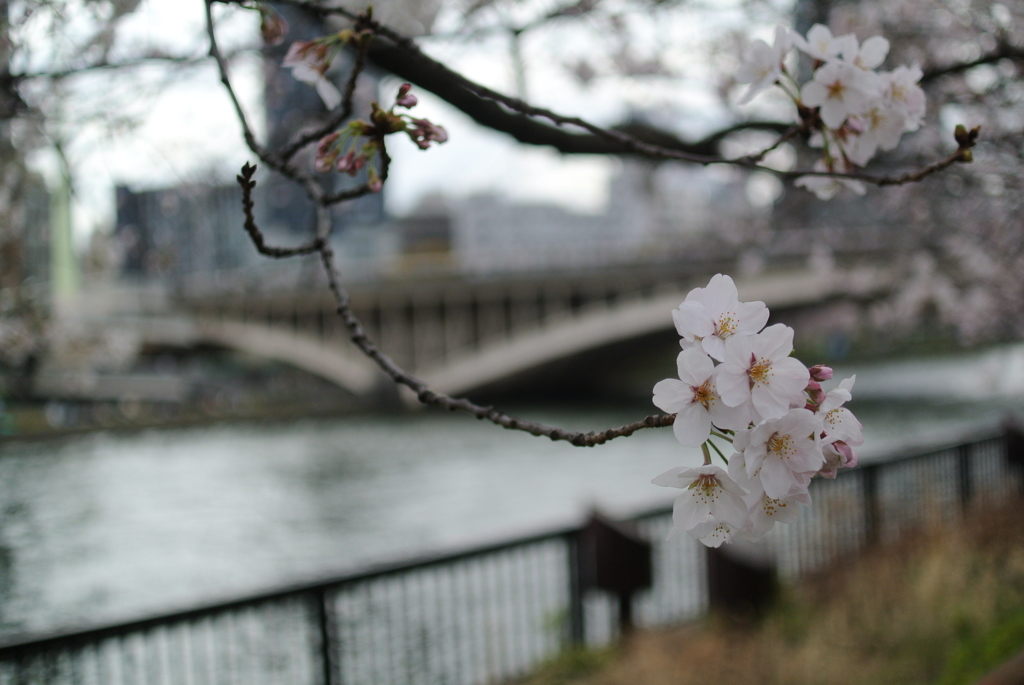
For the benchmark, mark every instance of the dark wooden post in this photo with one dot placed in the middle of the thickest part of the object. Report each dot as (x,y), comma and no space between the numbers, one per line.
(872,511)
(1014,441)
(612,557)
(742,579)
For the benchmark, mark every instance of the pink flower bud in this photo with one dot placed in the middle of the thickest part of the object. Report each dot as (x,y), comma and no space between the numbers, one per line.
(405,98)
(820,372)
(345,163)
(297,52)
(326,143)
(273,27)
(849,456)
(323,164)
(375,184)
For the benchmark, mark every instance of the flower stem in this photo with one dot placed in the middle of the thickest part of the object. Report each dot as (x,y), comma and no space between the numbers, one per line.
(707,455)
(723,436)
(715,448)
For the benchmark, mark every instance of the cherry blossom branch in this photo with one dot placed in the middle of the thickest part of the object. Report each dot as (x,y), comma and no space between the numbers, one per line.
(1004,50)
(402,56)
(344,113)
(962,155)
(276,160)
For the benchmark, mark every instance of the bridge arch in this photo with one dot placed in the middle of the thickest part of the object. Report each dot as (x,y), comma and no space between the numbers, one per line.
(633,319)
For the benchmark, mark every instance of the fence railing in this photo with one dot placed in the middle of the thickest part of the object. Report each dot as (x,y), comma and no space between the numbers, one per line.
(489,614)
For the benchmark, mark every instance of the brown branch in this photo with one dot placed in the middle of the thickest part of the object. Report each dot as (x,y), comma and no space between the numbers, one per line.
(400,55)
(963,154)
(222,68)
(399,375)
(1003,50)
(245,179)
(431,398)
(103,65)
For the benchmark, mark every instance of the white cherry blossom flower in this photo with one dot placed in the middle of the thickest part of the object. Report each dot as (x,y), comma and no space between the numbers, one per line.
(837,455)
(868,55)
(840,90)
(841,431)
(715,533)
(900,91)
(839,423)
(713,314)
(762,63)
(759,368)
(839,395)
(822,45)
(309,62)
(767,511)
(881,127)
(709,495)
(784,453)
(695,402)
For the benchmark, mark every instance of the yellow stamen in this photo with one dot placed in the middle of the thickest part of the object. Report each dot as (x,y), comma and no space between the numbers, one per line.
(705,395)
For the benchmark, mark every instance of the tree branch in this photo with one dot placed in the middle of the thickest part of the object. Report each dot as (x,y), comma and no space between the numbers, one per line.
(1003,50)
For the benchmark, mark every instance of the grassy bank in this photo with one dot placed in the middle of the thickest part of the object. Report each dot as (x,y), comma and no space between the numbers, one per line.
(941,608)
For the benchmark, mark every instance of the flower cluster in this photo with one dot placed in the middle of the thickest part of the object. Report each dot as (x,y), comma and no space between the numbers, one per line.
(783,426)
(852,109)
(352,148)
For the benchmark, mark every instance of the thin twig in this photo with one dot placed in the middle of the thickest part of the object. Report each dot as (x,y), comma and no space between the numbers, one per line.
(245,179)
(436,399)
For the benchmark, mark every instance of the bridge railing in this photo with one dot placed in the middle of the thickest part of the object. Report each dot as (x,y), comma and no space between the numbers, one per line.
(491,613)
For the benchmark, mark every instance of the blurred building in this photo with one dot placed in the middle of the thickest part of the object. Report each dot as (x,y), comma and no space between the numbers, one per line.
(652,210)
(171,233)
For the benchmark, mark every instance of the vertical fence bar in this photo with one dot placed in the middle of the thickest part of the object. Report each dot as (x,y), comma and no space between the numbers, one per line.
(576,628)
(325,623)
(963,463)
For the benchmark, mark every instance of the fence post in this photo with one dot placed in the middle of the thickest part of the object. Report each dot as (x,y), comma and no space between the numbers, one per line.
(325,624)
(872,511)
(1013,441)
(576,627)
(963,467)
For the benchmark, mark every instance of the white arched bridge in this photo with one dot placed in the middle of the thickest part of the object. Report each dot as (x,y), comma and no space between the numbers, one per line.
(459,334)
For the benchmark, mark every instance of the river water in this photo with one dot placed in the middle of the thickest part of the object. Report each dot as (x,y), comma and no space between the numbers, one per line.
(112,526)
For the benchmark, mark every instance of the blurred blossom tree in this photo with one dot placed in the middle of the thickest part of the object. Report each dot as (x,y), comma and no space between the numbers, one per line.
(961,228)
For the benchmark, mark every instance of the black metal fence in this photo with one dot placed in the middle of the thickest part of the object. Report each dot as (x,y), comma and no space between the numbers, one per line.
(489,614)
